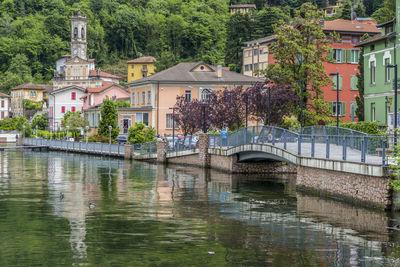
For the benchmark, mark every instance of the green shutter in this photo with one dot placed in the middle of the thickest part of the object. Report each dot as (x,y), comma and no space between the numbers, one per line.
(343,109)
(331,107)
(343,55)
(340,82)
(349,53)
(354,81)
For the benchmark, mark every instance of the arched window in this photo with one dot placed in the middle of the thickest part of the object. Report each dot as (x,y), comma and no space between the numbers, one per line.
(83,33)
(205,94)
(76,32)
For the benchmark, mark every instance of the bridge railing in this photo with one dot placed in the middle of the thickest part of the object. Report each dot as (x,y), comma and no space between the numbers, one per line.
(93,148)
(323,130)
(351,147)
(144,148)
(188,142)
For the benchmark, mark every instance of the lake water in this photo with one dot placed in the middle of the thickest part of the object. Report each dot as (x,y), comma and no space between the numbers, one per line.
(149,215)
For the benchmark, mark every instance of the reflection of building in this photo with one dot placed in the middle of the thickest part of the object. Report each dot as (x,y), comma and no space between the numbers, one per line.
(27,91)
(140,68)
(242,9)
(151,97)
(4,106)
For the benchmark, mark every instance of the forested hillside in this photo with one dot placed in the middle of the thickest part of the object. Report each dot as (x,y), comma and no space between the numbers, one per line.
(33,33)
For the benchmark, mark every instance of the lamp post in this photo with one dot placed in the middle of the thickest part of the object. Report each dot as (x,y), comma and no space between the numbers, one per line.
(395,101)
(337,100)
(173,126)
(109,130)
(87,133)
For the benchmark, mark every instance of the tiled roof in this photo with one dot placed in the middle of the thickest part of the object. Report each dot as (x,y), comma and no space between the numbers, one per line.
(105,85)
(375,38)
(98,73)
(4,95)
(341,25)
(182,73)
(33,86)
(142,60)
(243,6)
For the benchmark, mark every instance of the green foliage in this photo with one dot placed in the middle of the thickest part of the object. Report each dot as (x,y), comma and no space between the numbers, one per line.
(75,121)
(97,138)
(109,117)
(360,83)
(41,121)
(33,105)
(386,13)
(139,133)
(290,123)
(367,127)
(122,104)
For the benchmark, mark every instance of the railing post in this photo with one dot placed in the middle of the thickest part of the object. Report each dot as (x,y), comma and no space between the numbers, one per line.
(150,145)
(327,146)
(284,140)
(312,144)
(299,145)
(253,134)
(363,149)
(245,136)
(351,139)
(383,151)
(215,140)
(273,136)
(344,152)
(237,138)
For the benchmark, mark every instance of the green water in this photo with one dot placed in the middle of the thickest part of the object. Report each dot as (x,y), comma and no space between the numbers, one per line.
(149,215)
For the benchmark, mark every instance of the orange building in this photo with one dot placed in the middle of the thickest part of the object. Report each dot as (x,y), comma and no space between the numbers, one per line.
(153,96)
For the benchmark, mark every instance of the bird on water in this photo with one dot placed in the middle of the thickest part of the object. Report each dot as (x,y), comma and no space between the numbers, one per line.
(92,205)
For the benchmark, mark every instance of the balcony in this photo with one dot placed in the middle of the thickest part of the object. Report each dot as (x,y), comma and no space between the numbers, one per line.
(144,69)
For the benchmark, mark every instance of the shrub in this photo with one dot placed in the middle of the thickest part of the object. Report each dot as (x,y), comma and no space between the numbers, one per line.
(367,127)
(98,138)
(290,123)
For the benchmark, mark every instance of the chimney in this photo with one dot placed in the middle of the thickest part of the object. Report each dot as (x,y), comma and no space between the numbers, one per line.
(219,71)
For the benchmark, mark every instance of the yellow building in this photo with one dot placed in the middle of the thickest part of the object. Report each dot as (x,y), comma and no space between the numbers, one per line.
(26,91)
(242,9)
(330,11)
(140,68)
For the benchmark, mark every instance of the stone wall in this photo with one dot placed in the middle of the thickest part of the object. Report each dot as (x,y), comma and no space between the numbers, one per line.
(161,151)
(204,156)
(367,190)
(192,160)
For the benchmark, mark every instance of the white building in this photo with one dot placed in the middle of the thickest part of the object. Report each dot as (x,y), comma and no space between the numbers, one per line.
(4,106)
(63,100)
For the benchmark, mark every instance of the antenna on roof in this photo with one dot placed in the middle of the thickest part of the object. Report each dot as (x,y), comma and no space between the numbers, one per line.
(353,15)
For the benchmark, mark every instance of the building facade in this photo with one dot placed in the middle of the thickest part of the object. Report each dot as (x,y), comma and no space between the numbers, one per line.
(4,106)
(95,96)
(63,100)
(344,60)
(152,97)
(242,9)
(140,68)
(379,54)
(28,91)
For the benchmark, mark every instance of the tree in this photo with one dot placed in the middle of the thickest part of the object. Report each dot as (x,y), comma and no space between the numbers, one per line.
(76,122)
(386,13)
(300,51)
(265,19)
(109,117)
(188,115)
(41,121)
(282,99)
(360,84)
(136,134)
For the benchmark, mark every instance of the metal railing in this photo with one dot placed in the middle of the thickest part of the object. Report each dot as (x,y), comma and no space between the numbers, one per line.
(145,148)
(92,148)
(353,147)
(188,142)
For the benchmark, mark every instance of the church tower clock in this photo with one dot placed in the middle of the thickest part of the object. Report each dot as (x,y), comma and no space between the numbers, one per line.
(78,36)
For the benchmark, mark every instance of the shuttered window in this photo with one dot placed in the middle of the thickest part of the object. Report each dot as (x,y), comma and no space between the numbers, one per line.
(341,108)
(354,81)
(334,79)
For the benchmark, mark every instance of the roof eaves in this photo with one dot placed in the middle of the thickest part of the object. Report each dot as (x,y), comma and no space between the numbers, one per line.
(385,23)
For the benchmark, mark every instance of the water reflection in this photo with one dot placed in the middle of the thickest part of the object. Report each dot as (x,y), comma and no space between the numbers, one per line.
(151,214)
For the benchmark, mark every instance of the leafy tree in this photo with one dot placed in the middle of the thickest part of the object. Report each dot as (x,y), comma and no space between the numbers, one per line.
(41,121)
(300,50)
(122,104)
(109,117)
(188,115)
(386,13)
(75,121)
(136,134)
(149,134)
(360,84)
(265,19)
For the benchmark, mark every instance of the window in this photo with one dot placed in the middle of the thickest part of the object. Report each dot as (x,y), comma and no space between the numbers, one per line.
(144,75)
(73,95)
(387,43)
(234,10)
(372,47)
(169,122)
(372,72)
(248,53)
(132,74)
(341,108)
(137,99)
(338,55)
(148,97)
(205,94)
(255,52)
(63,109)
(73,109)
(261,51)
(334,79)
(143,118)
(188,95)
(353,82)
(247,10)
(353,56)
(255,66)
(143,98)
(2,103)
(353,107)
(33,93)
(387,70)
(373,114)
(133,99)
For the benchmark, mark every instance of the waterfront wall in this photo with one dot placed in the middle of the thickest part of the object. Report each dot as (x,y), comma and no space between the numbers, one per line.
(365,189)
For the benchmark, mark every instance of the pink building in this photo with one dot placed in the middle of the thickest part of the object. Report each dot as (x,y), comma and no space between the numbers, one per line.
(95,96)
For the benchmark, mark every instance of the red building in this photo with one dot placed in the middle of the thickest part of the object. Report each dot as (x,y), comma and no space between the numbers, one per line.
(344,55)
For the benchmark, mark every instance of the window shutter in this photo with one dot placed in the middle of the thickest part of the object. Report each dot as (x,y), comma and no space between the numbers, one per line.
(349,55)
(331,108)
(343,108)
(343,55)
(354,82)
(340,82)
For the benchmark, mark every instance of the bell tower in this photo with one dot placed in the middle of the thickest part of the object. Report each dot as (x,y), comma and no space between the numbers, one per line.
(78,36)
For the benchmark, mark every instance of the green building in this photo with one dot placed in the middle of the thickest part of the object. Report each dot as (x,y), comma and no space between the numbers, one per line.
(379,51)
